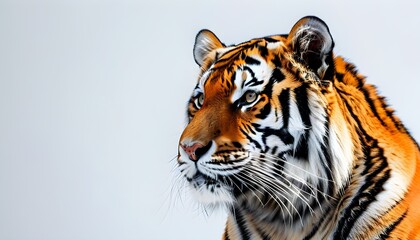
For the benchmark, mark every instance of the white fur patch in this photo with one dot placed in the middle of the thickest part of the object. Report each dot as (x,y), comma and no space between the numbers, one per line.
(262,73)
(274,45)
(218,196)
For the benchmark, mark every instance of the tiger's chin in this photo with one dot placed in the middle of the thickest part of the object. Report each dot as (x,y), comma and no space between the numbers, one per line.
(211,192)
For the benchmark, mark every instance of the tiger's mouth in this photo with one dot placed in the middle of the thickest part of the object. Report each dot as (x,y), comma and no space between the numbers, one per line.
(216,178)
(200,179)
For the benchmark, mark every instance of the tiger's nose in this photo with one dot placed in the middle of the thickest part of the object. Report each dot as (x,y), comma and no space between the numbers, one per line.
(196,150)
(191,150)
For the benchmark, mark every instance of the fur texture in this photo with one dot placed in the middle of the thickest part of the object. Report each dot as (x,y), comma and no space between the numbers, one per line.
(295,144)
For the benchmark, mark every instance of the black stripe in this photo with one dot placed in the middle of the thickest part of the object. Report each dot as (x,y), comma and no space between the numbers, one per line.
(242,55)
(277,75)
(274,150)
(237,144)
(285,136)
(250,139)
(226,235)
(352,69)
(339,77)
(230,81)
(284,99)
(248,69)
(388,230)
(276,61)
(316,227)
(326,153)
(254,82)
(268,89)
(251,61)
(372,106)
(221,63)
(263,51)
(301,96)
(240,223)
(265,111)
(250,129)
(303,104)
(270,40)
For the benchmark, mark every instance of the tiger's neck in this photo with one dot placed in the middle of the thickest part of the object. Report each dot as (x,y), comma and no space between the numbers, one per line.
(383,168)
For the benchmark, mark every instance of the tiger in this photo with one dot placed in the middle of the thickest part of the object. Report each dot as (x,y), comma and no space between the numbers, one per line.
(294,144)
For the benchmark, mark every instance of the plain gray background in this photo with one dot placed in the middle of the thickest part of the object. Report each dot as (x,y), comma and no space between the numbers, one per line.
(93,96)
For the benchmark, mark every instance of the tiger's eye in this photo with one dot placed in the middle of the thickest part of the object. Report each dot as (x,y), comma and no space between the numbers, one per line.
(200,100)
(250,96)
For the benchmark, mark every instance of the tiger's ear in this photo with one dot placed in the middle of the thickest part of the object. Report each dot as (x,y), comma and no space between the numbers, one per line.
(312,43)
(205,44)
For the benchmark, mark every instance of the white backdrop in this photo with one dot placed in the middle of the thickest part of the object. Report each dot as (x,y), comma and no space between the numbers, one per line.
(93,95)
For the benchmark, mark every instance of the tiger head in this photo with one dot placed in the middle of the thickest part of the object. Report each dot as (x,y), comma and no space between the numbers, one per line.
(262,128)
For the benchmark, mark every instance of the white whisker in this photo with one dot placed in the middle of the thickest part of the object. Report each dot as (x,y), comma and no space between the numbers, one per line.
(275,158)
(280,204)
(279,183)
(292,176)
(277,189)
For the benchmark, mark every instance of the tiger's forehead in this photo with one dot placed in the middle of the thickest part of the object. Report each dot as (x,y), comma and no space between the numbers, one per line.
(237,55)
(249,74)
(245,66)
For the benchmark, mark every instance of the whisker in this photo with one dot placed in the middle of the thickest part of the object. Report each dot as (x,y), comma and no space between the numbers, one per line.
(243,178)
(172,159)
(275,158)
(273,171)
(274,197)
(310,187)
(267,183)
(250,188)
(294,177)
(296,193)
(297,178)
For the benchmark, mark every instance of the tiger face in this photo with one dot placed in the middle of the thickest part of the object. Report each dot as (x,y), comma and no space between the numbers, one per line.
(258,129)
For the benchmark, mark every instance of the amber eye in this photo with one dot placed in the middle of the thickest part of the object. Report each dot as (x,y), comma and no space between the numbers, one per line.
(250,97)
(199,100)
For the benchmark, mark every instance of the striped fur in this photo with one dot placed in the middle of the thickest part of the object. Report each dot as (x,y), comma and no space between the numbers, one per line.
(294,143)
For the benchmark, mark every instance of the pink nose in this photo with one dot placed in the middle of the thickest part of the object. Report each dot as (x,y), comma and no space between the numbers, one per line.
(191,150)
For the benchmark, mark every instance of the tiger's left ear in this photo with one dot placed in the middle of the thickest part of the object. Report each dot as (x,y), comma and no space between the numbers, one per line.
(205,44)
(312,43)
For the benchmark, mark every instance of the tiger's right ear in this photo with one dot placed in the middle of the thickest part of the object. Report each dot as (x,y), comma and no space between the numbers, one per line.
(312,43)
(205,44)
